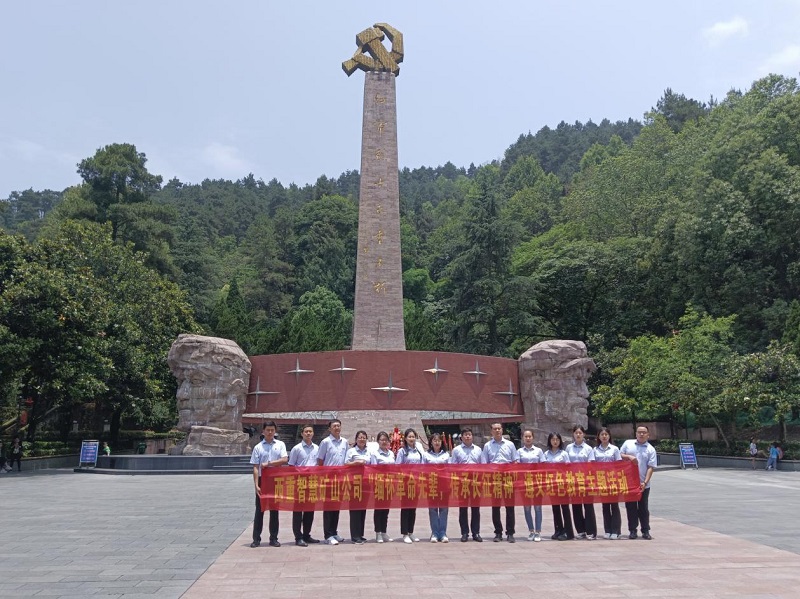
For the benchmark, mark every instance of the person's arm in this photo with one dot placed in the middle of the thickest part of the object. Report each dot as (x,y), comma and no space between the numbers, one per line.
(647,476)
(323,448)
(255,480)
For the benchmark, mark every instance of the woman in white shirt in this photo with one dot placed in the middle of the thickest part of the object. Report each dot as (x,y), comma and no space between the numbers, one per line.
(530,454)
(382,457)
(408,454)
(358,455)
(436,454)
(582,513)
(561,516)
(606,452)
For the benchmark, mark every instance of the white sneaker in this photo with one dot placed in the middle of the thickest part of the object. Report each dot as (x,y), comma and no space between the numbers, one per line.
(386,538)
(531,536)
(407,539)
(537,537)
(378,537)
(331,541)
(607,535)
(580,535)
(434,539)
(614,537)
(444,539)
(338,538)
(413,538)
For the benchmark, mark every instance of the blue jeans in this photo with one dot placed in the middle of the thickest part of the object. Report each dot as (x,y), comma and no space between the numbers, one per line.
(537,509)
(438,517)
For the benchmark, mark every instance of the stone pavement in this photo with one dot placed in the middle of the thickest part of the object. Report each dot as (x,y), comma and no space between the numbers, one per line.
(718,533)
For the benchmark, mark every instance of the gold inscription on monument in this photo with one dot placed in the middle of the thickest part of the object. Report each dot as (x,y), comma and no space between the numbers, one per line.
(380,182)
(379,237)
(379,286)
(379,209)
(378,154)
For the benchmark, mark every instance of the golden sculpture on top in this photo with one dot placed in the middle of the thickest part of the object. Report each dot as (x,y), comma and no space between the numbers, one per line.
(372,55)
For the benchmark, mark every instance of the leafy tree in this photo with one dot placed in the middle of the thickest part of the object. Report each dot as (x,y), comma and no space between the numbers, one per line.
(677,109)
(320,323)
(480,284)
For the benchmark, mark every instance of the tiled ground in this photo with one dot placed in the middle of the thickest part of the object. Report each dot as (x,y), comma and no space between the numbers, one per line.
(719,533)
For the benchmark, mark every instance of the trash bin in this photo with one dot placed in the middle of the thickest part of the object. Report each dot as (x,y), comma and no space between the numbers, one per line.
(141,448)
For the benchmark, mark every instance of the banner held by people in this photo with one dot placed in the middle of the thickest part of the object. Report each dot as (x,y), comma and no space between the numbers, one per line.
(448,485)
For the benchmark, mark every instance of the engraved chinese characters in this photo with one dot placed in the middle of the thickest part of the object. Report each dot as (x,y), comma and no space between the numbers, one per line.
(378,309)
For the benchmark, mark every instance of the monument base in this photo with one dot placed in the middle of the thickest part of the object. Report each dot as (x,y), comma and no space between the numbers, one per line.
(210,441)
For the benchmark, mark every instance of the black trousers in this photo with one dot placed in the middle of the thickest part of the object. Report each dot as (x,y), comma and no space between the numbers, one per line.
(330,524)
(16,458)
(301,525)
(639,512)
(472,525)
(258,523)
(408,516)
(563,521)
(612,519)
(380,518)
(583,516)
(511,520)
(357,520)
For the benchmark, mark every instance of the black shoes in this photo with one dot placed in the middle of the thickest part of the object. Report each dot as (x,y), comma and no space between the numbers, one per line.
(477,538)
(255,544)
(311,540)
(510,539)
(274,543)
(464,538)
(358,541)
(632,536)
(562,537)
(498,537)
(301,543)
(646,536)
(554,537)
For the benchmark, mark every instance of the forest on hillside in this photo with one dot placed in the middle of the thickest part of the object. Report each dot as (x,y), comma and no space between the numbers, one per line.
(670,246)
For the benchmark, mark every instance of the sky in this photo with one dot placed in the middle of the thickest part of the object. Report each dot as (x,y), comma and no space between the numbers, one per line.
(220,89)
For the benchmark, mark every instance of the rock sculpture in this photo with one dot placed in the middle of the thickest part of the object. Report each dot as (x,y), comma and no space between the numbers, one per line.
(553,376)
(213,375)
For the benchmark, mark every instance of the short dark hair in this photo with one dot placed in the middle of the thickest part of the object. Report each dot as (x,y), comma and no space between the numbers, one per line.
(466,429)
(269,423)
(307,425)
(330,424)
(557,436)
(644,426)
(578,427)
(383,434)
(355,439)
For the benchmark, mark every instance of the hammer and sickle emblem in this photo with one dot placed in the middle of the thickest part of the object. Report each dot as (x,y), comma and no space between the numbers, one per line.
(372,55)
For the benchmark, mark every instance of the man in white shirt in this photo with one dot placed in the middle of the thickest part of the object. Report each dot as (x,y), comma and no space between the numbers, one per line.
(467,453)
(332,452)
(501,451)
(269,453)
(304,454)
(640,451)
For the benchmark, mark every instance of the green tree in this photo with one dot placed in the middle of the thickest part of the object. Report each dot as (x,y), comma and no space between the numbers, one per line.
(320,323)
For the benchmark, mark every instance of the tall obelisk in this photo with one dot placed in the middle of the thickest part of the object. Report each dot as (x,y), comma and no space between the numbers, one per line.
(378,309)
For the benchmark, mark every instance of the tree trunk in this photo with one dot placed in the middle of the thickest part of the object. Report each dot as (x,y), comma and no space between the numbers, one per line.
(721,432)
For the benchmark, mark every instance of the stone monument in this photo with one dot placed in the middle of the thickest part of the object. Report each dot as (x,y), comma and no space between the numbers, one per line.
(378,307)
(213,374)
(552,382)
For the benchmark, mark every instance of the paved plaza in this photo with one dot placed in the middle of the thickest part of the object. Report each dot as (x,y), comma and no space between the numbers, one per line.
(718,533)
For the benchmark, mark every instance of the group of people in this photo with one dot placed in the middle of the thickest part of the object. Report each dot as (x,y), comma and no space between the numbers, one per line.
(570,522)
(14,455)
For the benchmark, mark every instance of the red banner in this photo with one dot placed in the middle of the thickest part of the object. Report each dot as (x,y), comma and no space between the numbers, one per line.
(447,485)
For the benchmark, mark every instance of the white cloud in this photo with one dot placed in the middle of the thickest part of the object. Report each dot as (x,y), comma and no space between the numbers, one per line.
(723,30)
(784,62)
(226,160)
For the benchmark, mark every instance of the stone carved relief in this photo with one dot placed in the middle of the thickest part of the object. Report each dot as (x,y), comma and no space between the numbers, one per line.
(552,377)
(213,376)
